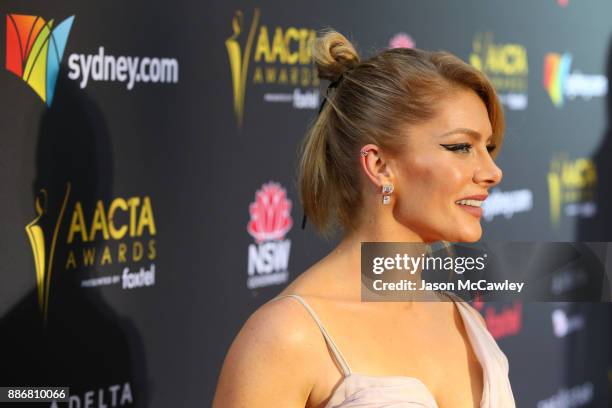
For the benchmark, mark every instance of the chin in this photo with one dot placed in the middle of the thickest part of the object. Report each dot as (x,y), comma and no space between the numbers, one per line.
(472,240)
(471,236)
(468,234)
(463,232)
(467,237)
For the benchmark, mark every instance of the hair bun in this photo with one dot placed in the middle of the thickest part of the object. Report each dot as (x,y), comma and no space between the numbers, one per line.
(333,55)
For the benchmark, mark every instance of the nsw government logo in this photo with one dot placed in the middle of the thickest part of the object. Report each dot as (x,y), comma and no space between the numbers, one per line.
(401,40)
(34,51)
(270,222)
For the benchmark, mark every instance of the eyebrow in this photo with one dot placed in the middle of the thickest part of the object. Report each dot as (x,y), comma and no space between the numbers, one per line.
(470,132)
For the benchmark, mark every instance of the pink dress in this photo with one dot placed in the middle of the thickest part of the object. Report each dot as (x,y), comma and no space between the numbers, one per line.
(368,391)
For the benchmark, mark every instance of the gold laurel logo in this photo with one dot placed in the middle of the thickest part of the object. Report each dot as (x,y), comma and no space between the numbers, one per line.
(43,261)
(239,61)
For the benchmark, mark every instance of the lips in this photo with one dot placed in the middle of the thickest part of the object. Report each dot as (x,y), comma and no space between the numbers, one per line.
(475,211)
(472,204)
(480,197)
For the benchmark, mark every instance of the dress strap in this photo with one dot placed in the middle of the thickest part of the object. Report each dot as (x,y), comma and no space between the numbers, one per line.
(346,370)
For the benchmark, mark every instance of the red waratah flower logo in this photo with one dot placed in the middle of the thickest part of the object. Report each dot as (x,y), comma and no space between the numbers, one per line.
(270,213)
(401,40)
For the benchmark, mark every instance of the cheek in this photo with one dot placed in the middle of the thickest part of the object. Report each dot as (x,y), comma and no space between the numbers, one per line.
(435,179)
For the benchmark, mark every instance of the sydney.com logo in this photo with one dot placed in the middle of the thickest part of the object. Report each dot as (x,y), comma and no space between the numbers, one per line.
(561,83)
(34,51)
(101,67)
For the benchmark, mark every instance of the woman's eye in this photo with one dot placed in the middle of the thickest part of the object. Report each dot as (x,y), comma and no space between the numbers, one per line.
(465,147)
(461,147)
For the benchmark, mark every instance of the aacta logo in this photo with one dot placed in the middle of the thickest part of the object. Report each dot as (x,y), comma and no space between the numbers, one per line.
(560,83)
(572,187)
(105,227)
(281,57)
(34,51)
(103,243)
(507,67)
(270,222)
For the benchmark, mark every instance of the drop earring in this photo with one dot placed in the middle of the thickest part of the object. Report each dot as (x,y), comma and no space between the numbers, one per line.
(387,190)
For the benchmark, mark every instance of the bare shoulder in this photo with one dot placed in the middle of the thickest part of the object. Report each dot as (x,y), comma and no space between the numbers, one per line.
(277,339)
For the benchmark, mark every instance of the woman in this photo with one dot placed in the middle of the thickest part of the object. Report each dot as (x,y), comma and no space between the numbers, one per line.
(402,140)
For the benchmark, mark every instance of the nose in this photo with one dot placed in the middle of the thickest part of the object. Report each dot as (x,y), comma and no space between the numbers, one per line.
(488,173)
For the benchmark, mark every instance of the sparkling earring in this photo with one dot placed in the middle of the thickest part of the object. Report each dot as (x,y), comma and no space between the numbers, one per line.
(364,153)
(387,190)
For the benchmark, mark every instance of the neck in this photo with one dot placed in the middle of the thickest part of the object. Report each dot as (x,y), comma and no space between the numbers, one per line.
(345,259)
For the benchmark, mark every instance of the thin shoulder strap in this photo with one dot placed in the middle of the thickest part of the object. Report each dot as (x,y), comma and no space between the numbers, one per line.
(346,370)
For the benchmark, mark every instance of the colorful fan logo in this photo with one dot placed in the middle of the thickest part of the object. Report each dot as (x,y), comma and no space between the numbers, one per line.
(556,71)
(34,51)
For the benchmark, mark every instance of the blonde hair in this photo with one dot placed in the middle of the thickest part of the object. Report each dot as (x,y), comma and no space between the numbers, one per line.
(373,101)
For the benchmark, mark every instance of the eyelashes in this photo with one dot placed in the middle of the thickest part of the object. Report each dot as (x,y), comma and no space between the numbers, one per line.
(465,147)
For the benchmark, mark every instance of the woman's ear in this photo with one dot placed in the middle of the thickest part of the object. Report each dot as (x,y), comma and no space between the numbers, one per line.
(376,166)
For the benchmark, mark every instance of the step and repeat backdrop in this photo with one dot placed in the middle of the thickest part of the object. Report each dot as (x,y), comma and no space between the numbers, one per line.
(148,180)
